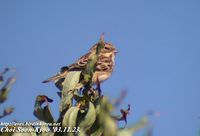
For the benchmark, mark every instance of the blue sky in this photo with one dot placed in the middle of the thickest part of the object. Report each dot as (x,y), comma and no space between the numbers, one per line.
(158,63)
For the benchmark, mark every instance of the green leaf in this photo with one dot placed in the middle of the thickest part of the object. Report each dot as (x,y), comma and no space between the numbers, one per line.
(135,128)
(6,134)
(45,127)
(25,134)
(48,134)
(105,105)
(44,114)
(41,113)
(89,118)
(90,67)
(82,133)
(70,119)
(97,129)
(2,74)
(100,44)
(139,125)
(6,89)
(98,132)
(124,132)
(70,83)
(109,125)
(67,115)
(104,123)
(7,111)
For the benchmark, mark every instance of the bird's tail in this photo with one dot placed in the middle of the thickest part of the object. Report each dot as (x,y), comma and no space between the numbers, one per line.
(56,77)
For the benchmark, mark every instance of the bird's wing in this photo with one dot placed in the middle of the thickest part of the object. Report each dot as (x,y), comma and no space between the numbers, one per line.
(81,63)
(78,66)
(104,64)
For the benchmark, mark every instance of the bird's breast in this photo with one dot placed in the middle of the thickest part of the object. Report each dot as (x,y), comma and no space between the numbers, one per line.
(102,76)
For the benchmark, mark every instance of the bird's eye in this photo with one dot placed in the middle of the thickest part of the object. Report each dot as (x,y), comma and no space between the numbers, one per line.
(106,48)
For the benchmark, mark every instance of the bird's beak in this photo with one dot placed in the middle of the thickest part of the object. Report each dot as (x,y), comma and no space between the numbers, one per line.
(116,51)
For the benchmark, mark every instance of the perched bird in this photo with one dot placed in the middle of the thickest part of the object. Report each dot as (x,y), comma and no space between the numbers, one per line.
(104,67)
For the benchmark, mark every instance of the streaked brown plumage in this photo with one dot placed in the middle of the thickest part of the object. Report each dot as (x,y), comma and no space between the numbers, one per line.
(104,66)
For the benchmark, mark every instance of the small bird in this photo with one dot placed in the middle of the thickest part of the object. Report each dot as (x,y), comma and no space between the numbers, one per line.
(104,67)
